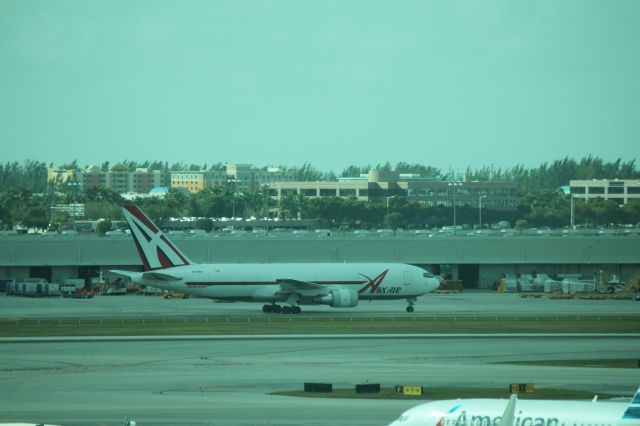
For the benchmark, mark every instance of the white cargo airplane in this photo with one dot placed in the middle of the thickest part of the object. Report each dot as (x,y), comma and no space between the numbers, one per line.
(340,285)
(492,412)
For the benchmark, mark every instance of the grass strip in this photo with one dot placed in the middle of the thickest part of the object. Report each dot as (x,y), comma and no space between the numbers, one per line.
(438,393)
(317,325)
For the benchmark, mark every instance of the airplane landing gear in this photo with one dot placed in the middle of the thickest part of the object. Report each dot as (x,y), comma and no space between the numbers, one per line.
(291,310)
(269,308)
(292,305)
(411,302)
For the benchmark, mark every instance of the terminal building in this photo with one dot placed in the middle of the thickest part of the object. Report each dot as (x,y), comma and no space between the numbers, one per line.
(378,186)
(619,190)
(477,260)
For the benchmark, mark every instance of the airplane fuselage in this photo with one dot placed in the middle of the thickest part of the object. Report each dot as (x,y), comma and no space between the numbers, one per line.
(259,281)
(488,412)
(340,285)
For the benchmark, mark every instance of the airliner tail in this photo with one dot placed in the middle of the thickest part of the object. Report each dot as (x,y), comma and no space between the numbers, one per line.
(154,248)
(633,411)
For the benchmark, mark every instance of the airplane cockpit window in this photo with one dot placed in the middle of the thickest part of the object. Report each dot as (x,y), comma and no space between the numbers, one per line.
(427,274)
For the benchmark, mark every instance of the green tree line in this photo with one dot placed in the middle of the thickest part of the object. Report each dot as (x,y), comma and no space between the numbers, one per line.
(539,209)
(32,175)
(25,199)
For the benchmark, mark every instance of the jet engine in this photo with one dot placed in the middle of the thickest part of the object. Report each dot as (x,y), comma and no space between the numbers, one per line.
(340,298)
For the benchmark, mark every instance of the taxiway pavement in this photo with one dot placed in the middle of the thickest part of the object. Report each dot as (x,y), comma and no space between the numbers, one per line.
(230,381)
(465,303)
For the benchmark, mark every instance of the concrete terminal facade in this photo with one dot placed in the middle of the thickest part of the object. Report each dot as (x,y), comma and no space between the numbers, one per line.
(619,190)
(378,186)
(476,260)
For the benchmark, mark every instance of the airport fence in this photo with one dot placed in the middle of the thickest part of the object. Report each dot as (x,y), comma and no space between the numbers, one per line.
(318,325)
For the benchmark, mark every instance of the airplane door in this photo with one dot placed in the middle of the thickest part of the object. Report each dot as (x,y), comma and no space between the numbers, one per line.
(407,277)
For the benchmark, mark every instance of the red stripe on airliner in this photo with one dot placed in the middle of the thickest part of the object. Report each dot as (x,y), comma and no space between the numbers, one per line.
(166,241)
(232,283)
(163,258)
(264,282)
(145,262)
(144,233)
(373,283)
(141,217)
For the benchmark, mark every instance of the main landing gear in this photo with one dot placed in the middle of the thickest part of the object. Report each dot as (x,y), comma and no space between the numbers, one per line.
(411,302)
(276,309)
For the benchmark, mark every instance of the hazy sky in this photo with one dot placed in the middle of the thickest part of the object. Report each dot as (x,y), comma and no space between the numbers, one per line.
(443,83)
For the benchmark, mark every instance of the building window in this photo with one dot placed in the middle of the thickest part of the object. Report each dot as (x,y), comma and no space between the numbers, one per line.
(578,190)
(596,190)
(633,190)
(309,192)
(327,192)
(347,192)
(616,190)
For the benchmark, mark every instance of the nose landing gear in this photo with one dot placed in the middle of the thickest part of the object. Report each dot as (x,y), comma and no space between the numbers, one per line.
(411,301)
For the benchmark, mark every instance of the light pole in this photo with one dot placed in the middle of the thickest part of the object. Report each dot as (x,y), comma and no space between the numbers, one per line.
(265,188)
(453,185)
(480,209)
(573,213)
(388,198)
(233,203)
(57,177)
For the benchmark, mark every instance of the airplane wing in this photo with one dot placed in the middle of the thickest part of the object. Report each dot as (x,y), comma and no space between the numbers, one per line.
(289,285)
(508,417)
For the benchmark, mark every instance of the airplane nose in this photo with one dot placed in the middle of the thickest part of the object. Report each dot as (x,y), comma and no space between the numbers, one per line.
(432,284)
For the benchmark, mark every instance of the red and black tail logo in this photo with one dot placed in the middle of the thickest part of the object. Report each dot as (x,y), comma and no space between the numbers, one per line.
(155,250)
(373,284)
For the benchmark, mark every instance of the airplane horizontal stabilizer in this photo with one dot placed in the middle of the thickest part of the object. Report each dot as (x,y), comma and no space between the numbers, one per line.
(123,273)
(157,276)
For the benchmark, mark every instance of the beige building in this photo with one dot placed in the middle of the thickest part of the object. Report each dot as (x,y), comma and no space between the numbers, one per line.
(619,190)
(118,178)
(241,177)
(378,186)
(195,181)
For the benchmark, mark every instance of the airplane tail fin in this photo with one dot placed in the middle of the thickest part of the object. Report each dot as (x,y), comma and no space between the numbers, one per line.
(154,248)
(633,410)
(509,415)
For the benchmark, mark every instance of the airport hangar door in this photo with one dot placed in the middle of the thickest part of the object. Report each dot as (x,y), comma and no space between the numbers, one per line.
(469,274)
(41,272)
